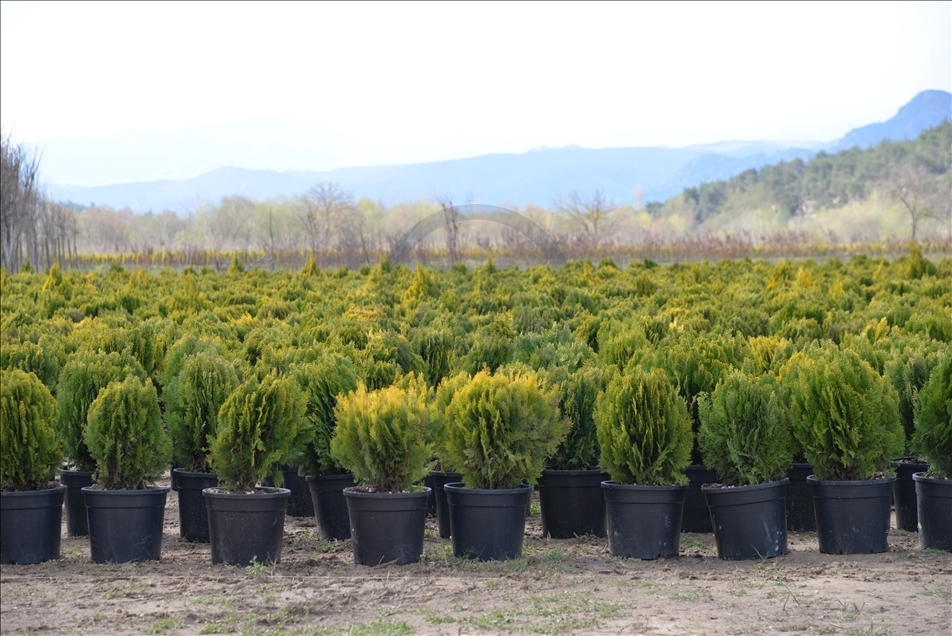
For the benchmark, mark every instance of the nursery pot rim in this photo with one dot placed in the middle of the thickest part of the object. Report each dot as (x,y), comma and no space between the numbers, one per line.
(126,492)
(13,494)
(461,486)
(360,492)
(260,492)
(849,482)
(924,478)
(611,484)
(328,476)
(188,473)
(574,471)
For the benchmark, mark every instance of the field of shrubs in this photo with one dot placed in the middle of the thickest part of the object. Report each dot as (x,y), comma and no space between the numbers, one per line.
(423,330)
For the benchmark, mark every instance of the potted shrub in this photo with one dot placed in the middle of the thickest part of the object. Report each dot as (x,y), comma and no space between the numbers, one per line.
(744,438)
(82,377)
(499,430)
(644,431)
(932,441)
(192,400)
(322,382)
(381,438)
(259,425)
(126,438)
(570,488)
(846,418)
(440,475)
(31,504)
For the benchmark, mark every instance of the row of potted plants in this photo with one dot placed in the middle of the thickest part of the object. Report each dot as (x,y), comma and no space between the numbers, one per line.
(497,430)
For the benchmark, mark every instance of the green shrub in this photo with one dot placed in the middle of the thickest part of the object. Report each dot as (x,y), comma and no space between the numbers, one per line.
(125,435)
(577,394)
(492,348)
(29,449)
(435,347)
(192,403)
(42,359)
(644,429)
(322,383)
(844,415)
(500,429)
(742,432)
(259,426)
(932,440)
(381,436)
(83,376)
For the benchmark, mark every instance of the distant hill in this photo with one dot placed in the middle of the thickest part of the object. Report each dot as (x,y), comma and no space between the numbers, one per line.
(513,179)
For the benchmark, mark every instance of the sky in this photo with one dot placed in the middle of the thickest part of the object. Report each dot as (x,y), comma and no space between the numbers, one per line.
(376,84)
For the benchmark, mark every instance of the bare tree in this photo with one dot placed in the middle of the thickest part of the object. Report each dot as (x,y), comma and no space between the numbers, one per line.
(595,214)
(19,199)
(451,218)
(323,211)
(917,192)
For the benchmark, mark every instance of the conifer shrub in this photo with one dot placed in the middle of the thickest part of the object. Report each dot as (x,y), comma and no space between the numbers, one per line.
(259,427)
(43,359)
(435,347)
(577,395)
(492,348)
(500,428)
(83,376)
(743,434)
(192,401)
(932,439)
(644,429)
(125,435)
(844,415)
(381,435)
(29,448)
(322,382)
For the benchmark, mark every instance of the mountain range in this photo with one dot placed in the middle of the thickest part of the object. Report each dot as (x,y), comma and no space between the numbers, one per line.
(539,176)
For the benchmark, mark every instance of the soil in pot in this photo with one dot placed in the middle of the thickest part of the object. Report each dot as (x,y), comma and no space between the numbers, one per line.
(440,479)
(386,527)
(193,515)
(572,503)
(125,525)
(750,522)
(935,512)
(30,524)
(697,517)
(904,492)
(800,515)
(74,502)
(487,524)
(330,506)
(246,528)
(852,517)
(644,522)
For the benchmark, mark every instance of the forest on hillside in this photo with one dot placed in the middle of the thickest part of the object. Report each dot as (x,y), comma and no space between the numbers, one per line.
(855,201)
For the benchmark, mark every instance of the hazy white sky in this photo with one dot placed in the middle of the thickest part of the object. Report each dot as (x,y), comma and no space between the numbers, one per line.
(398,83)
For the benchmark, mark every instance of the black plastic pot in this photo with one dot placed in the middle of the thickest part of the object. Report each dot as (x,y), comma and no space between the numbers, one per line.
(935,512)
(193,515)
(440,479)
(330,506)
(697,518)
(386,527)
(246,528)
(125,525)
(852,517)
(30,523)
(487,524)
(572,503)
(904,492)
(74,501)
(750,522)
(800,515)
(300,504)
(644,522)
(430,498)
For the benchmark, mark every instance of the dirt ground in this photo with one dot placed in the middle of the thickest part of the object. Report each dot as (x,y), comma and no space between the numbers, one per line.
(558,586)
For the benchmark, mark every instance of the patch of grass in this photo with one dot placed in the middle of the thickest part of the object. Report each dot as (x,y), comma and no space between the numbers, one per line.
(256,569)
(685,596)
(690,542)
(937,592)
(437,619)
(874,630)
(535,510)
(163,625)
(374,628)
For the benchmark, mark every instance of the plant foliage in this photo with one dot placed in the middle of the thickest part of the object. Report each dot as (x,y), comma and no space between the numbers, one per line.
(192,400)
(742,432)
(844,414)
(933,436)
(644,429)
(323,382)
(381,435)
(125,435)
(500,429)
(258,428)
(577,394)
(29,449)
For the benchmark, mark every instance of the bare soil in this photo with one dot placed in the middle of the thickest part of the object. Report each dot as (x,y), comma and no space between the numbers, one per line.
(558,586)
